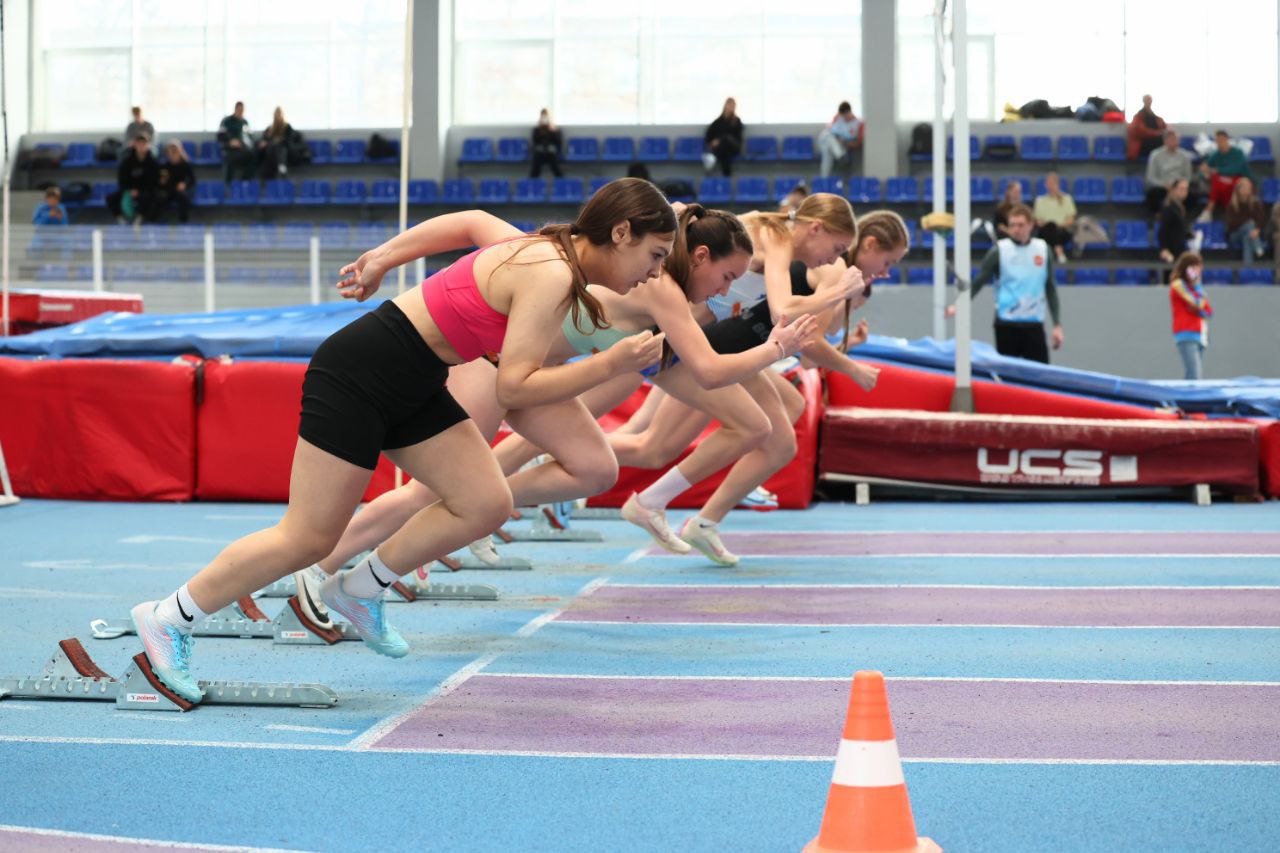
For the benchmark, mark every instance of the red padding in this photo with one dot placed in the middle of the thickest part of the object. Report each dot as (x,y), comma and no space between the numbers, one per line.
(897,388)
(1269,456)
(249,429)
(62,307)
(99,429)
(1019,450)
(997,398)
(793,484)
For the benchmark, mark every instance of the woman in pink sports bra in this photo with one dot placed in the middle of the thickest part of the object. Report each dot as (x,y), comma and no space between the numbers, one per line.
(378,385)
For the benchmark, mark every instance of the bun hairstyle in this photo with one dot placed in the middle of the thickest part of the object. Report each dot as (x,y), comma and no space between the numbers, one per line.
(720,231)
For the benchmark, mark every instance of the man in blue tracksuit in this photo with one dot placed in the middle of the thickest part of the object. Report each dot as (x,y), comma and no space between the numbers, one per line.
(1022,269)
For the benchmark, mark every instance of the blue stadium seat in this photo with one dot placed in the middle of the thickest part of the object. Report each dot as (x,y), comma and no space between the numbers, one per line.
(893,276)
(1128,190)
(524,225)
(864,190)
(714,191)
(226,235)
(321,151)
(394,158)
(1270,190)
(982,190)
(210,154)
(53,272)
(752,191)
(783,186)
(1136,275)
(688,149)
(999,141)
(1026,188)
(348,192)
(654,149)
(79,155)
(310,192)
(296,235)
(1109,149)
(493,191)
(1261,152)
(1257,275)
(1073,148)
(384,192)
(190,148)
(761,149)
(901,190)
(928,189)
(259,235)
(1089,190)
(98,196)
(207,194)
(596,184)
(1215,234)
(512,149)
(531,191)
(423,191)
(335,235)
(277,193)
(1215,275)
(975,150)
(919,275)
(582,149)
(476,150)
(1037,148)
(1092,275)
(797,149)
(348,151)
(831,185)
(618,149)
(1132,234)
(567,191)
(458,191)
(1061,275)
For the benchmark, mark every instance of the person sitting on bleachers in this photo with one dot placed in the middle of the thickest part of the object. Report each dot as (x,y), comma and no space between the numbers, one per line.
(840,138)
(177,180)
(137,176)
(50,211)
(1223,168)
(1174,234)
(279,147)
(1144,131)
(1057,223)
(548,143)
(793,199)
(138,127)
(998,225)
(1168,163)
(723,139)
(1246,218)
(237,146)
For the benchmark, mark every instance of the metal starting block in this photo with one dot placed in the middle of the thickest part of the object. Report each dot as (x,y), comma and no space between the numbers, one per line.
(544,531)
(598,513)
(244,620)
(408,590)
(72,674)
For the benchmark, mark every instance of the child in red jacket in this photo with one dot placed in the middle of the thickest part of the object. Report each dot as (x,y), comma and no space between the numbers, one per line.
(1191,312)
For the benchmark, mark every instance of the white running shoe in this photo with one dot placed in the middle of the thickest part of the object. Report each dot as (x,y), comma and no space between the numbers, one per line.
(707,540)
(484,551)
(654,523)
(308,591)
(168,650)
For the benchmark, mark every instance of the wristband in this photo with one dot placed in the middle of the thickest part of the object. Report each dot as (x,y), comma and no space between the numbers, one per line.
(782,351)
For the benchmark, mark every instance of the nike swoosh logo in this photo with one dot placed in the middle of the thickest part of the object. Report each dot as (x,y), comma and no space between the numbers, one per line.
(311,602)
(183,612)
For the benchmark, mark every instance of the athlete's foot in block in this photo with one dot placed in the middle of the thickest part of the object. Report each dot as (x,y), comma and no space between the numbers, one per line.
(308,586)
(484,551)
(168,649)
(367,615)
(707,540)
(654,523)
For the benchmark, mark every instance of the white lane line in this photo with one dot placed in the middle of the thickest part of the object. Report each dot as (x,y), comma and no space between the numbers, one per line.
(147,539)
(312,729)
(844,679)
(90,565)
(452,683)
(127,840)
(658,552)
(635,555)
(29,592)
(717,624)
(919,586)
(970,532)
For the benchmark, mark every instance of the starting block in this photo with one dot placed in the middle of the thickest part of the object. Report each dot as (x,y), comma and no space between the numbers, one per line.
(544,531)
(72,674)
(244,620)
(408,590)
(598,513)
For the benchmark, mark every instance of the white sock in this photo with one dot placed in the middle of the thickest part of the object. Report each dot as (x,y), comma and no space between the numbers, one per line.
(180,610)
(315,573)
(664,490)
(369,579)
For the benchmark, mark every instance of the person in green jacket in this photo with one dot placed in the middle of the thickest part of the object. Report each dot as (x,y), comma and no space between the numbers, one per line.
(1223,168)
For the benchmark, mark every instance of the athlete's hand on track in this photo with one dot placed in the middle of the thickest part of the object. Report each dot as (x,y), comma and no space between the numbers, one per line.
(361,279)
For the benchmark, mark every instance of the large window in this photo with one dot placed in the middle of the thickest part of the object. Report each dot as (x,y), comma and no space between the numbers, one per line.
(328,63)
(1118,49)
(667,61)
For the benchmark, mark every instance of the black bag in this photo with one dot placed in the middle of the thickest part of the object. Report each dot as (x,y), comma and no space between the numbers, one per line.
(1104,105)
(678,190)
(1039,108)
(109,150)
(379,148)
(43,158)
(997,150)
(76,191)
(921,139)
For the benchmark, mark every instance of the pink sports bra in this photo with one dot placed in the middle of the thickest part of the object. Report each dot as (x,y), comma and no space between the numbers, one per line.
(470,325)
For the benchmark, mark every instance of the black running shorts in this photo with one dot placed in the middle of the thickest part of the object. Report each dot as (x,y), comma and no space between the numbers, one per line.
(375,384)
(748,329)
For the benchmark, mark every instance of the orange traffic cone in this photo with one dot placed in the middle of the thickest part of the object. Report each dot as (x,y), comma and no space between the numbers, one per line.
(868,810)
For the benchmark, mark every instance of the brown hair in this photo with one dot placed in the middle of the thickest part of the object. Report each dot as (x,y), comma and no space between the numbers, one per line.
(1186,259)
(833,211)
(631,200)
(1020,210)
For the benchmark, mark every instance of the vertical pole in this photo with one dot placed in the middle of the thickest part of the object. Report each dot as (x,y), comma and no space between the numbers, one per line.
(405,121)
(4,240)
(419,269)
(96,243)
(315,269)
(962,401)
(208,271)
(939,172)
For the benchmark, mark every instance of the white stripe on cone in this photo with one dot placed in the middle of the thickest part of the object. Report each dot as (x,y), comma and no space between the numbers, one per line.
(868,764)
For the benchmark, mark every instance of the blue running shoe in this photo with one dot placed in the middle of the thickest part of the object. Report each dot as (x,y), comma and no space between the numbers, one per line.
(169,651)
(760,499)
(558,514)
(367,615)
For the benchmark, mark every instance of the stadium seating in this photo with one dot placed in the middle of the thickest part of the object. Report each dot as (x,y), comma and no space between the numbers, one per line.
(476,150)
(79,155)
(1089,190)
(384,192)
(349,193)
(864,190)
(901,190)
(567,191)
(1217,275)
(618,149)
(752,190)
(760,149)
(1037,148)
(582,149)
(688,149)
(208,194)
(531,191)
(1072,148)
(512,150)
(457,191)
(321,151)
(654,149)
(1109,149)
(424,192)
(310,192)
(492,191)
(1138,275)
(714,191)
(1132,234)
(1127,190)
(348,151)
(277,194)
(797,148)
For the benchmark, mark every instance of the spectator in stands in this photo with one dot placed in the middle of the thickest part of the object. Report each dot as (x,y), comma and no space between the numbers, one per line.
(137,175)
(1021,268)
(1145,130)
(177,180)
(237,146)
(1223,168)
(548,143)
(840,138)
(1191,312)
(1174,228)
(1168,163)
(1057,223)
(1246,219)
(792,200)
(139,127)
(1273,237)
(277,147)
(723,139)
(998,225)
(50,211)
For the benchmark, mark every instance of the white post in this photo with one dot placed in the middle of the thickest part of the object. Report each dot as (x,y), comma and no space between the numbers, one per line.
(208,271)
(4,251)
(939,173)
(962,400)
(315,269)
(95,241)
(405,121)
(420,269)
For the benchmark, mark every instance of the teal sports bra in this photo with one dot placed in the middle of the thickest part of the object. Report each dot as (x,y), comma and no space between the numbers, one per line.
(593,341)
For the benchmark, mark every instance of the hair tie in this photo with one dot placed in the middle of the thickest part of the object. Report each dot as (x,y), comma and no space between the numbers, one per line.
(574,229)
(791,215)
